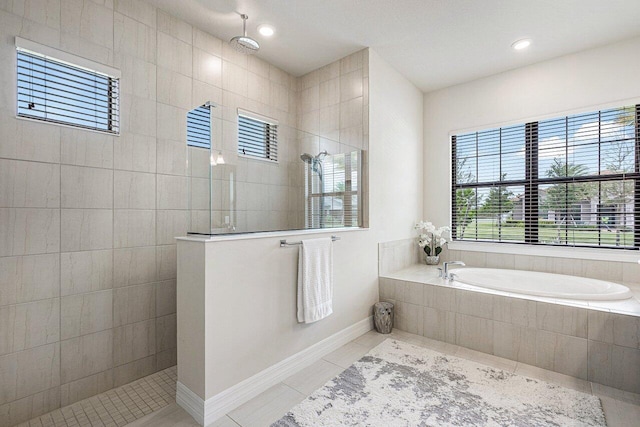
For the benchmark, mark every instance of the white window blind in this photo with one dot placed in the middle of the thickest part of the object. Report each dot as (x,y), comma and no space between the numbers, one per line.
(571,181)
(332,190)
(199,127)
(257,136)
(57,91)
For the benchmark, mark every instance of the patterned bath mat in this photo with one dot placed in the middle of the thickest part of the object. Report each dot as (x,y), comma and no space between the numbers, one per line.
(399,384)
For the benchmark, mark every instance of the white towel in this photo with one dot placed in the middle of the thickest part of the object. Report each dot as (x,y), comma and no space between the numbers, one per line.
(315,280)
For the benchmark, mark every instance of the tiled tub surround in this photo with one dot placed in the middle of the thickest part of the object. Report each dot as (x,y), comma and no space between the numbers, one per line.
(397,255)
(590,341)
(627,273)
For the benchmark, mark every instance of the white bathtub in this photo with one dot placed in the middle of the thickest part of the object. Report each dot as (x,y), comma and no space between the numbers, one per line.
(542,284)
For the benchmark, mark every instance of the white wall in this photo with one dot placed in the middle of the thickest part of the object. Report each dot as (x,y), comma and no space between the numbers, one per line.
(252,290)
(395,127)
(584,81)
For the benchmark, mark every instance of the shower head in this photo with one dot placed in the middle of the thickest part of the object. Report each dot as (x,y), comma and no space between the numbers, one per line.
(243,43)
(307,158)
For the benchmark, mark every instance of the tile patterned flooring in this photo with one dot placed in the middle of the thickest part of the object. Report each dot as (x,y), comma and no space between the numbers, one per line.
(157,392)
(117,407)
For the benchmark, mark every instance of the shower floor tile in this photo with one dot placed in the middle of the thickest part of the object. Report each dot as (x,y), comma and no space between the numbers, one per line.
(117,407)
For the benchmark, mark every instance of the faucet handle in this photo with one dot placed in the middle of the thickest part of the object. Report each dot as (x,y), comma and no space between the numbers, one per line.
(440,272)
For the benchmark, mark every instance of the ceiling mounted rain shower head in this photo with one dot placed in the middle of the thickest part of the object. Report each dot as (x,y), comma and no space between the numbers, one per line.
(244,44)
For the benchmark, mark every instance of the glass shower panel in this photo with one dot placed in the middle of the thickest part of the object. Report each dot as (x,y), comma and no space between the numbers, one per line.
(332,184)
(211,180)
(199,138)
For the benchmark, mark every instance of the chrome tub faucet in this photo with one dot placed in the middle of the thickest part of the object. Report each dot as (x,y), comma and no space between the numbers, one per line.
(444,273)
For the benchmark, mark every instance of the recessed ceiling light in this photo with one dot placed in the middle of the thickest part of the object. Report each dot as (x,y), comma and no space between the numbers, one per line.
(521,44)
(266,30)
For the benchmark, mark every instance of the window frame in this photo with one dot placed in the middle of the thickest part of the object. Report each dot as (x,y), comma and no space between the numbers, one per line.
(48,53)
(347,194)
(194,125)
(532,181)
(269,142)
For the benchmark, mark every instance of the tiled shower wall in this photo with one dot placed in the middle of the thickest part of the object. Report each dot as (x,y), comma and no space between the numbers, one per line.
(248,194)
(326,109)
(333,115)
(88,220)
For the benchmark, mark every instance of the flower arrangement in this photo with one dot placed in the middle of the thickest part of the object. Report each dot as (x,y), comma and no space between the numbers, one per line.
(431,239)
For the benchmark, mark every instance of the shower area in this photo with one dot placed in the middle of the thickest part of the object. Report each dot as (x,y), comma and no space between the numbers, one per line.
(240,184)
(276,152)
(331,189)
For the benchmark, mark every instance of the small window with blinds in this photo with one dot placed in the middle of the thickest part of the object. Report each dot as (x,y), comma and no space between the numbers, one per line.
(257,136)
(199,127)
(332,191)
(57,91)
(568,181)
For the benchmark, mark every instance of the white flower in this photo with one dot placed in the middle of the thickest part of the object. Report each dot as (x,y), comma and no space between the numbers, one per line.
(422,225)
(430,235)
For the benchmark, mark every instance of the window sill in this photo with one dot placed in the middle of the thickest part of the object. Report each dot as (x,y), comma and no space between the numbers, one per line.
(260,159)
(618,255)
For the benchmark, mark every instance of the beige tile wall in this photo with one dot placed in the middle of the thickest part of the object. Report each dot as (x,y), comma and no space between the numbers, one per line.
(246,193)
(87,220)
(333,115)
(398,254)
(326,109)
(87,271)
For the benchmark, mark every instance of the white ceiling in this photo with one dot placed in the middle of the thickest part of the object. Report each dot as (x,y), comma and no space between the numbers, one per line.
(434,43)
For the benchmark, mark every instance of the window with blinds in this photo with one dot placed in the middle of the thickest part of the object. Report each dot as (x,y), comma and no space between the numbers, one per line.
(199,127)
(56,91)
(257,136)
(332,189)
(572,181)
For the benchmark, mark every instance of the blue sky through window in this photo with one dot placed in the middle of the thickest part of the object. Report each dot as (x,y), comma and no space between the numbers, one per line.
(597,208)
(58,92)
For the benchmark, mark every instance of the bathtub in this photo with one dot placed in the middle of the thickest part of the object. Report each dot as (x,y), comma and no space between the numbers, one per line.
(542,284)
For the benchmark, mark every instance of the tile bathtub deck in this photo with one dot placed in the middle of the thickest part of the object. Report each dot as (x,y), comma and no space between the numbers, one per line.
(622,409)
(421,273)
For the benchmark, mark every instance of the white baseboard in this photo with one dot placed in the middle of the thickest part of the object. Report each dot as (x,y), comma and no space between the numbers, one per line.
(190,402)
(206,412)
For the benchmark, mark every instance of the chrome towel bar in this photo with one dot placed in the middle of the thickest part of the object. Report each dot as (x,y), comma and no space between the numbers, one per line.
(284,243)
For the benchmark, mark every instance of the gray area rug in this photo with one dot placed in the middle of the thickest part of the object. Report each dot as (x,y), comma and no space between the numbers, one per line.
(399,384)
